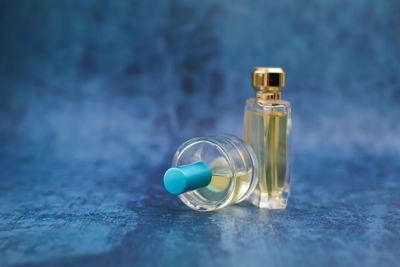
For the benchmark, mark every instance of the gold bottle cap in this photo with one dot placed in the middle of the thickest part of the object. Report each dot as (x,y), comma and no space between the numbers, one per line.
(269,80)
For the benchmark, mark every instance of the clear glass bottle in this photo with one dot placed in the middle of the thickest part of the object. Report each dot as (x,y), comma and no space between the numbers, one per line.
(267,128)
(210,173)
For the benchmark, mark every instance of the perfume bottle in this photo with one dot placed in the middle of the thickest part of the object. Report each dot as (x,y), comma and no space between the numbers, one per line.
(210,173)
(267,128)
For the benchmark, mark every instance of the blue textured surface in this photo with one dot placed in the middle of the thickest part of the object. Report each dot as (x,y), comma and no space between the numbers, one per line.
(95,97)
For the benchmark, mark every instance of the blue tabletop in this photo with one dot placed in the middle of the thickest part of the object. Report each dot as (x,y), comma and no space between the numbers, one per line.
(95,98)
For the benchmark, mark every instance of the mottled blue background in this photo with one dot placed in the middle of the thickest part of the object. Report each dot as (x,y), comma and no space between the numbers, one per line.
(96,96)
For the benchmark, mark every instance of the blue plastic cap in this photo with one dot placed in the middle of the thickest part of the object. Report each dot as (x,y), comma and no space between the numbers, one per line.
(186,178)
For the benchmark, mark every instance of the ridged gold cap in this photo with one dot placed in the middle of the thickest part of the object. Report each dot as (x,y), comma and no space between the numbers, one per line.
(269,80)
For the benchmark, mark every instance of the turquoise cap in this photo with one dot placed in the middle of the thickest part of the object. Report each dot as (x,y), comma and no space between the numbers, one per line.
(187,177)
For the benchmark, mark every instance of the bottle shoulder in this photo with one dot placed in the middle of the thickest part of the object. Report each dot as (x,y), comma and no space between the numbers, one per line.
(252,103)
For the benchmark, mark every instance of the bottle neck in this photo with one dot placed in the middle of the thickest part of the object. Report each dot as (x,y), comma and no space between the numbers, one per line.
(263,97)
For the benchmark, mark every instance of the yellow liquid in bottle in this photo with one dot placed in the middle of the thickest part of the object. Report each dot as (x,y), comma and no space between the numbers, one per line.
(266,133)
(221,182)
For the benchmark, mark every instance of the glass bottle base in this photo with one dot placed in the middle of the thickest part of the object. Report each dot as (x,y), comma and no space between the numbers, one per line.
(263,201)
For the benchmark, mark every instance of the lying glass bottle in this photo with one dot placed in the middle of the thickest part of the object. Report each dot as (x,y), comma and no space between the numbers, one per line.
(213,172)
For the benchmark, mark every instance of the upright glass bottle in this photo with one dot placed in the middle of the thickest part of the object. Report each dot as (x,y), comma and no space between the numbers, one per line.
(267,128)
